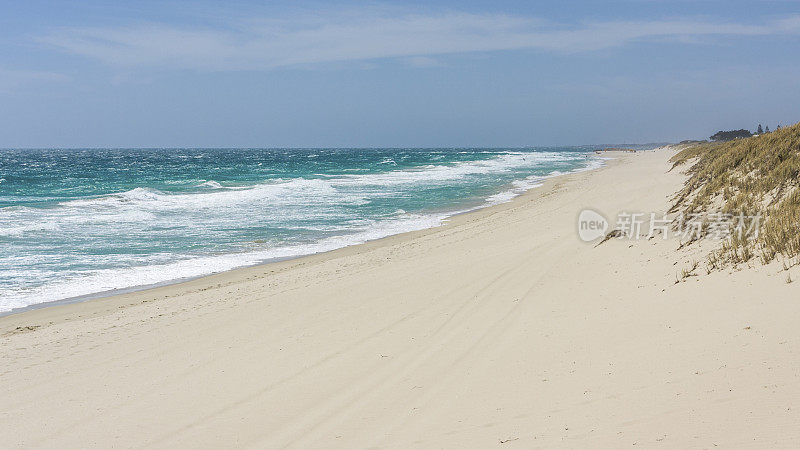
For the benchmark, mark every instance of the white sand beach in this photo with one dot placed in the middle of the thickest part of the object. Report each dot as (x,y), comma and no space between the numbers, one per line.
(500,329)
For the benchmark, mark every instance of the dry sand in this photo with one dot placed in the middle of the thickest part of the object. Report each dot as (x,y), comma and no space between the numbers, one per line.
(500,329)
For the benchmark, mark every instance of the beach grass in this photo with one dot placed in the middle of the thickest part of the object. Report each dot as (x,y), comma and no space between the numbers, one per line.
(756,176)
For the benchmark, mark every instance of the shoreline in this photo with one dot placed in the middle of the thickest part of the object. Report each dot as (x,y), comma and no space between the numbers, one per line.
(500,327)
(601,162)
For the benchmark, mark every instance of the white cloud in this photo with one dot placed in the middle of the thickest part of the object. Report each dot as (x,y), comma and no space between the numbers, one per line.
(264,44)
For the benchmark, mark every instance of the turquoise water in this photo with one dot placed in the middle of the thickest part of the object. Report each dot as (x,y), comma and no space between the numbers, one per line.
(77,222)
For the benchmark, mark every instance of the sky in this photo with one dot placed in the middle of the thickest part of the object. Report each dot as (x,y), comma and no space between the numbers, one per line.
(241,73)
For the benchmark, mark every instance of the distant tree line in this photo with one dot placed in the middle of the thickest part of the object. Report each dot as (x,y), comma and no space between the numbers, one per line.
(730,135)
(736,134)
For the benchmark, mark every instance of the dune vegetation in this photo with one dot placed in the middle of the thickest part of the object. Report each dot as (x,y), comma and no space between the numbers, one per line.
(755,176)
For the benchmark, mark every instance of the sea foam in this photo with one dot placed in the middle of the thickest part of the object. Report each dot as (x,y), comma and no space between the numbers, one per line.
(280,204)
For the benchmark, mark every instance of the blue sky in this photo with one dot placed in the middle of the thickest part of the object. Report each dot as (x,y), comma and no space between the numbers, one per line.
(325,74)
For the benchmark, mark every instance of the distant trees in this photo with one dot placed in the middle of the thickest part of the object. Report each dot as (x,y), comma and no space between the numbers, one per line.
(730,135)
(736,134)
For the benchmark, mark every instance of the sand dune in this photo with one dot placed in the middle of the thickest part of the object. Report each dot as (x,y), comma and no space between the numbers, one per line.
(500,329)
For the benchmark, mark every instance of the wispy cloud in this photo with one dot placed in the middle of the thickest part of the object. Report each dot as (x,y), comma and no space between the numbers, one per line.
(10,80)
(422,62)
(265,44)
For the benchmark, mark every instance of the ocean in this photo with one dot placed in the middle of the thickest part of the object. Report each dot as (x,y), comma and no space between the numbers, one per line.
(76,222)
